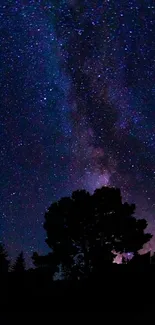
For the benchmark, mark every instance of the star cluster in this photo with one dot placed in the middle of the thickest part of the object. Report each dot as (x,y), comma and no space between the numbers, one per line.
(77,108)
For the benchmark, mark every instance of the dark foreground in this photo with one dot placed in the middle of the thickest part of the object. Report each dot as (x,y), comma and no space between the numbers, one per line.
(119,289)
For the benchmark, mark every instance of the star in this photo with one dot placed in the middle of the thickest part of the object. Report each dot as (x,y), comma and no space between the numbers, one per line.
(77,109)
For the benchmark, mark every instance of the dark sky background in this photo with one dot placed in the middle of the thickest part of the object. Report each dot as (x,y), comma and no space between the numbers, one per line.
(77,104)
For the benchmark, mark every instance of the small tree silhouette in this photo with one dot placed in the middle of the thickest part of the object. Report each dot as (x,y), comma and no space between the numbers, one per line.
(19,265)
(4,262)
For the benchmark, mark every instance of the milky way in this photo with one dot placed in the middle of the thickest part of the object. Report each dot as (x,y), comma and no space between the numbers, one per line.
(77,108)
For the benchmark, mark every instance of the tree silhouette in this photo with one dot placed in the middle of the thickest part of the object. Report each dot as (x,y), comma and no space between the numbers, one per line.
(19,265)
(4,262)
(92,228)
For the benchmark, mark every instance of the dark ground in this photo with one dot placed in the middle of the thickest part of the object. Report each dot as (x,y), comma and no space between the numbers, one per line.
(120,289)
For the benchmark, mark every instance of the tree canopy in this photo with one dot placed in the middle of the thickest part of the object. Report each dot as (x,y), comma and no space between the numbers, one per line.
(85,231)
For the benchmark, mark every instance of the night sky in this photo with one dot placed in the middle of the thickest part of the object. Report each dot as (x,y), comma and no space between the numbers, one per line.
(77,104)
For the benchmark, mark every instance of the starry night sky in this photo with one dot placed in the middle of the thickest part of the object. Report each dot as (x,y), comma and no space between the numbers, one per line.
(77,96)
